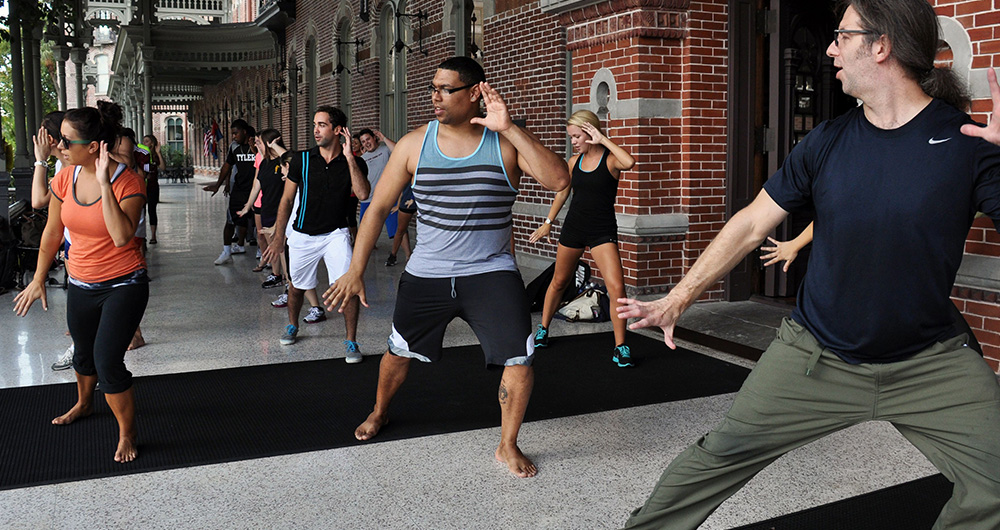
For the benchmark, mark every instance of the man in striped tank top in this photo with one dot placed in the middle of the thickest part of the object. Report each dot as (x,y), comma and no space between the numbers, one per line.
(465,170)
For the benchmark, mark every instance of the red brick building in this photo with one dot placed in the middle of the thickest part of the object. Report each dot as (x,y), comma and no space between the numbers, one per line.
(709,96)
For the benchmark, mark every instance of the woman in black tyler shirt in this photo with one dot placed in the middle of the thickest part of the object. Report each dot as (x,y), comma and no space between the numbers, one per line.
(590,222)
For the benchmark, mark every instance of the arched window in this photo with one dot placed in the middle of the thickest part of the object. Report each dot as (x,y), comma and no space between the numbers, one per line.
(394,36)
(175,133)
(345,59)
(103,74)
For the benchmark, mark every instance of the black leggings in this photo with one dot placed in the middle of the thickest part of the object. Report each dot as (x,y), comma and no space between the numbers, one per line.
(152,199)
(102,322)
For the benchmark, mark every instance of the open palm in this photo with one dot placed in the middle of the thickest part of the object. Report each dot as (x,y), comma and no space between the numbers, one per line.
(991,132)
(497,118)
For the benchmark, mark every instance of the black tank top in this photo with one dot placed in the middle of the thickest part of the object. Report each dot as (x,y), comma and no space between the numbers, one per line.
(594,193)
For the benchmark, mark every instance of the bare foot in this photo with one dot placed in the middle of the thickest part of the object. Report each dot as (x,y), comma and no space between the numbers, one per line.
(137,342)
(516,461)
(126,450)
(370,427)
(78,411)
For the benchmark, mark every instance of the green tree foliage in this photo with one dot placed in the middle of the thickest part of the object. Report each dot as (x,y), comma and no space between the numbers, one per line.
(50,95)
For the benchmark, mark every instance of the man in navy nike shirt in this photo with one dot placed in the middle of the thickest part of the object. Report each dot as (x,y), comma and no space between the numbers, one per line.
(895,184)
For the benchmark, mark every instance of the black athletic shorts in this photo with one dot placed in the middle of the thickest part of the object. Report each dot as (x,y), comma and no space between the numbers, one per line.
(493,304)
(572,238)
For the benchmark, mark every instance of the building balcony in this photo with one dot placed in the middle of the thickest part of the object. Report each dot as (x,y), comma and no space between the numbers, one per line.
(275,15)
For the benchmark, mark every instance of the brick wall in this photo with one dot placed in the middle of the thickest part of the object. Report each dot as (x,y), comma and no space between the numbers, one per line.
(981,20)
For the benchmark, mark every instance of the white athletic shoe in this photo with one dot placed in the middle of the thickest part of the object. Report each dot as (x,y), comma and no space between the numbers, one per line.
(225,257)
(66,361)
(236,249)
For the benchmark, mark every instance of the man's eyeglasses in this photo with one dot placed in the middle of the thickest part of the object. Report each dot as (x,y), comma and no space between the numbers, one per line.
(838,32)
(431,89)
(67,142)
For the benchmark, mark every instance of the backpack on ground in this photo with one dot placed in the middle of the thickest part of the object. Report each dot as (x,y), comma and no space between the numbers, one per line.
(592,305)
(537,287)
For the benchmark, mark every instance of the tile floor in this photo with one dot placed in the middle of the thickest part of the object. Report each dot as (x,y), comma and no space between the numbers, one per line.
(593,469)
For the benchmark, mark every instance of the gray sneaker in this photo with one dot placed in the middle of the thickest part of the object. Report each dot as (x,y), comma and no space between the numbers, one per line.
(288,338)
(353,352)
(65,361)
(316,314)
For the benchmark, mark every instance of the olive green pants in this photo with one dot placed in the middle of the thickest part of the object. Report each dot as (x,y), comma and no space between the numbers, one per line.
(945,400)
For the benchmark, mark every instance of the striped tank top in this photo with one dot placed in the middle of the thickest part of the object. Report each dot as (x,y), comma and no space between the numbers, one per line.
(464,217)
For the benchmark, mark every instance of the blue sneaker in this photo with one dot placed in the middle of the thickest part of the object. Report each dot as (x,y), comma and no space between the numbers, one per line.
(541,337)
(289,337)
(353,352)
(622,356)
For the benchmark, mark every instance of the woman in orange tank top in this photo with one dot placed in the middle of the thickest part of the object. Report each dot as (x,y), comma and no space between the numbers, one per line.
(99,202)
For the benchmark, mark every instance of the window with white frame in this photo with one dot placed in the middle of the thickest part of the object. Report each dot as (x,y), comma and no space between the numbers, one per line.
(175,133)
(103,73)
(394,36)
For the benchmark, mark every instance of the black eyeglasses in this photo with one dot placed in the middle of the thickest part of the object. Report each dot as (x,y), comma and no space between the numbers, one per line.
(838,32)
(431,89)
(67,142)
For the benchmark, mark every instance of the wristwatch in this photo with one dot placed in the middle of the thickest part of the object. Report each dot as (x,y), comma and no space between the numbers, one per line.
(40,163)
(548,221)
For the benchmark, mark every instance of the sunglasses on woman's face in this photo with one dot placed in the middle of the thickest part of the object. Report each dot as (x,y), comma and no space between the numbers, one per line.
(67,142)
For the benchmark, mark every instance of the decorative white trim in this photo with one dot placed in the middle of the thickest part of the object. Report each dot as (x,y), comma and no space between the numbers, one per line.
(981,272)
(954,33)
(628,108)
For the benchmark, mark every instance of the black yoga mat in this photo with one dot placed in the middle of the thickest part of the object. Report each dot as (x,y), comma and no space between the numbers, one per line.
(198,418)
(913,505)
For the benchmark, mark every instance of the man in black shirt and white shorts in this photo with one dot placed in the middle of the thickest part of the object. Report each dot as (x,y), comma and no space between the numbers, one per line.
(324,177)
(240,158)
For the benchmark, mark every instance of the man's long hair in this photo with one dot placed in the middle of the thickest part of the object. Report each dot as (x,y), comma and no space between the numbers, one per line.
(912,29)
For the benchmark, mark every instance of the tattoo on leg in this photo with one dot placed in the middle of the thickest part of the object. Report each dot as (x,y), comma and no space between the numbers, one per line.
(503,394)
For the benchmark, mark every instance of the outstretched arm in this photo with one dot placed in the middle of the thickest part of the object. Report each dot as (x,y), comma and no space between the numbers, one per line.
(740,235)
(223,180)
(787,251)
(532,157)
(398,171)
(382,138)
(991,132)
(557,204)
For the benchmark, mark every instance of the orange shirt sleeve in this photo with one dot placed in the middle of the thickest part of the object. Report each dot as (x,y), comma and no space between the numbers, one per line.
(62,183)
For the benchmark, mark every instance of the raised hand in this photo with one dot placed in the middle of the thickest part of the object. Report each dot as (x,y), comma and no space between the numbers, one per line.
(345,133)
(990,133)
(596,138)
(661,313)
(43,145)
(101,167)
(497,118)
(259,142)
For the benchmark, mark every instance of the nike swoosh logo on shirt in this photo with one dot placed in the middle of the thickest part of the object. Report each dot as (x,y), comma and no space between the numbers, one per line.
(933,141)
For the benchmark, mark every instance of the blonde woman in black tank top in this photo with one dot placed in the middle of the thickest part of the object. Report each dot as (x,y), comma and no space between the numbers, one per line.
(595,170)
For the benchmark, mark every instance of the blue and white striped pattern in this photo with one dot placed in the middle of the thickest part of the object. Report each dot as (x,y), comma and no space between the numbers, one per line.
(463,210)
(305,189)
